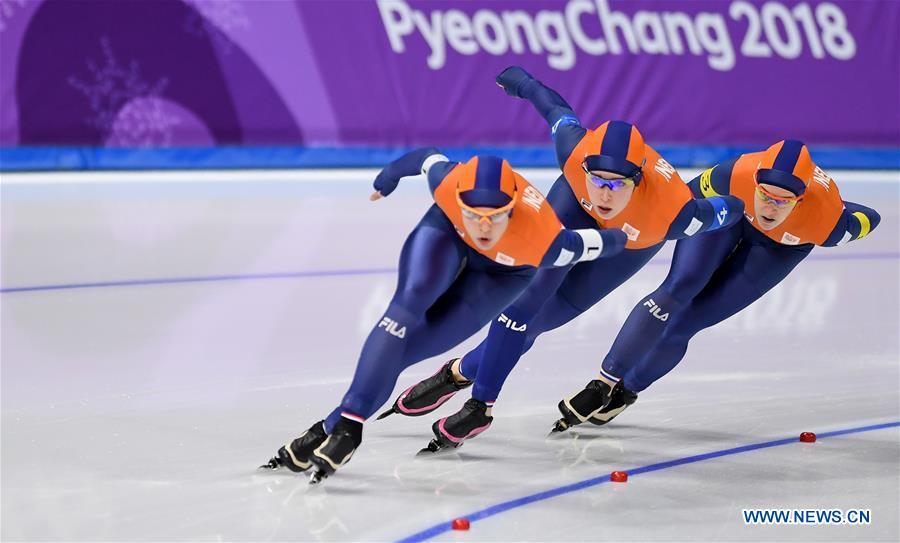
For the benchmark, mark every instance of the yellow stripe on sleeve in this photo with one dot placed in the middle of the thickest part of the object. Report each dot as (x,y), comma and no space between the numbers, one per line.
(864,224)
(706,187)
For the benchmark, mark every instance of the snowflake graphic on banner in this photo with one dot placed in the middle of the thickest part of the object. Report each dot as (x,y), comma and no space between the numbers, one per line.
(216,18)
(8,10)
(113,86)
(143,122)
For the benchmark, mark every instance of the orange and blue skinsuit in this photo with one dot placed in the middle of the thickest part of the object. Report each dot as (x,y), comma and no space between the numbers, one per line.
(661,208)
(448,288)
(717,275)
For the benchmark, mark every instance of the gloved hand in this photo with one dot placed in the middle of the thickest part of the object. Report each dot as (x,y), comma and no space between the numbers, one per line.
(513,79)
(409,164)
(614,241)
(386,181)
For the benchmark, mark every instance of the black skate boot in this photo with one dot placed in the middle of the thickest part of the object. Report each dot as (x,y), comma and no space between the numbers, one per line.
(336,450)
(582,406)
(428,394)
(453,431)
(295,455)
(620,400)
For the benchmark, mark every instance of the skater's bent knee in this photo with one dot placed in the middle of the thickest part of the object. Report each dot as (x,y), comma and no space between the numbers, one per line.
(684,287)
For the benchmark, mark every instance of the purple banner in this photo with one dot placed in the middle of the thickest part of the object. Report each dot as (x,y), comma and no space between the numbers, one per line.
(162,73)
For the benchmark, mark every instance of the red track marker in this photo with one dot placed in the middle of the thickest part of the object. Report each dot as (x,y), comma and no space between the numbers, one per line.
(460,524)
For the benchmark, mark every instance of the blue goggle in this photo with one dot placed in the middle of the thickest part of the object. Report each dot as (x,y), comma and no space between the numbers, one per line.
(612,184)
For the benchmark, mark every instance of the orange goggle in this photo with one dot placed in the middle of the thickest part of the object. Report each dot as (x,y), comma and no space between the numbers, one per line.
(776,200)
(494,216)
(770,198)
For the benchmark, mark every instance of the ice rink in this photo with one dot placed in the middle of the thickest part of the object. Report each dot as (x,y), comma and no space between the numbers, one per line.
(164,334)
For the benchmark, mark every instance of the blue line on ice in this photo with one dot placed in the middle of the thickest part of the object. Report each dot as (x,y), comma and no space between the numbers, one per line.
(446,526)
(347,272)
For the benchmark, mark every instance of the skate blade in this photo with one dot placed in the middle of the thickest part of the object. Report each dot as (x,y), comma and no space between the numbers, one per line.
(386,414)
(317,477)
(560,426)
(435,447)
(273,464)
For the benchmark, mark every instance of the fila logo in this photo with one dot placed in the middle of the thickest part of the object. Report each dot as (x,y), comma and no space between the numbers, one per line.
(587,205)
(655,310)
(533,198)
(721,216)
(790,239)
(631,232)
(506,260)
(664,168)
(511,324)
(390,326)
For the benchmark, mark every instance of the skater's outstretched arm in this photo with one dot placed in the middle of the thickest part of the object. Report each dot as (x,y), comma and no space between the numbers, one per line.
(856,222)
(715,181)
(583,245)
(712,207)
(428,161)
(705,215)
(565,127)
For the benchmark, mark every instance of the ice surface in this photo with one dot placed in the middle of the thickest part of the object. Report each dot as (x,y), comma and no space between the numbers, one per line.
(139,412)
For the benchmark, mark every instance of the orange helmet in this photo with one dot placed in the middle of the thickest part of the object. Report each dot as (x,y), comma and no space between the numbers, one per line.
(621,150)
(487,181)
(786,164)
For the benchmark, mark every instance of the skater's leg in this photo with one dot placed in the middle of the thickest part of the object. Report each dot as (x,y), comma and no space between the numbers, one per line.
(429,263)
(512,334)
(582,287)
(517,326)
(751,271)
(473,300)
(543,289)
(693,264)
(467,306)
(542,307)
